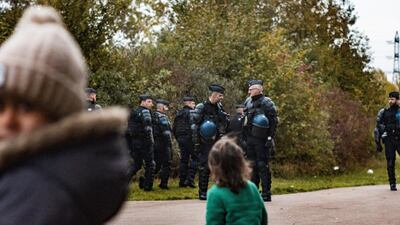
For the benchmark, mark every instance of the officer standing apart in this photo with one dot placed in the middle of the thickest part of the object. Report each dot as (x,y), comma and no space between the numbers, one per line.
(259,130)
(91,98)
(163,142)
(140,131)
(388,131)
(208,122)
(183,134)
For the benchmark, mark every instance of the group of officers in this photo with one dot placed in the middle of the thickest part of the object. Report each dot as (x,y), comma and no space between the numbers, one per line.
(196,128)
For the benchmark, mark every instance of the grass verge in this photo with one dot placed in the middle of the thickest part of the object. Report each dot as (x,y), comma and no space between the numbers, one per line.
(358,177)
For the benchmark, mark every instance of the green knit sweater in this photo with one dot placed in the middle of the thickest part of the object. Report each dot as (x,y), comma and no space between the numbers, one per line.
(244,208)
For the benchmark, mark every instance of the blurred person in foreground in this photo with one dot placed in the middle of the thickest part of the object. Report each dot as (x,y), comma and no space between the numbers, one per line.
(233,199)
(58,163)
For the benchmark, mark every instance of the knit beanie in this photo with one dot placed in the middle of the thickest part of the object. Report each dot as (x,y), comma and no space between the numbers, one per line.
(42,64)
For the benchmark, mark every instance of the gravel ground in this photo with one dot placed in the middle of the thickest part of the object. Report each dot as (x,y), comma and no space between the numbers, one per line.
(366,205)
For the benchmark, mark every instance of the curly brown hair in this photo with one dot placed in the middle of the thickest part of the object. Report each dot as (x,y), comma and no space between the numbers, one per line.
(227,165)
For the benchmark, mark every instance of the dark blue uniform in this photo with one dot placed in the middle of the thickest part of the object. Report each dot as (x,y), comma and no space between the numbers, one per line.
(163,147)
(259,147)
(189,160)
(140,132)
(206,111)
(388,130)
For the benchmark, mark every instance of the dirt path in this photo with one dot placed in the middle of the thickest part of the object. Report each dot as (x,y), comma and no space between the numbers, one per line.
(367,205)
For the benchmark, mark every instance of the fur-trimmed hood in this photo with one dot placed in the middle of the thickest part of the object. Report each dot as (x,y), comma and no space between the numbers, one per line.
(76,127)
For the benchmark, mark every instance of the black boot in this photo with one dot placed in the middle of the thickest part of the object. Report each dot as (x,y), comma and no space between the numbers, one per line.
(183,174)
(190,184)
(203,182)
(163,186)
(393,187)
(141,182)
(202,195)
(265,177)
(164,180)
(266,196)
(148,177)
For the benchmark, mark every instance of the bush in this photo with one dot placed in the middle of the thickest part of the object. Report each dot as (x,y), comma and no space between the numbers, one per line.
(349,127)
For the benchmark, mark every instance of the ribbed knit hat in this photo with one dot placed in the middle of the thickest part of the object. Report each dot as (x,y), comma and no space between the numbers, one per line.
(42,64)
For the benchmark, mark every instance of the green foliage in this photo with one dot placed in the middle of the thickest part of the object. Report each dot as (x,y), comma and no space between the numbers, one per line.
(94,24)
(337,54)
(216,37)
(303,139)
(305,52)
(112,88)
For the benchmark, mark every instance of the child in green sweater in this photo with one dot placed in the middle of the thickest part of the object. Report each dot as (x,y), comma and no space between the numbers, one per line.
(233,199)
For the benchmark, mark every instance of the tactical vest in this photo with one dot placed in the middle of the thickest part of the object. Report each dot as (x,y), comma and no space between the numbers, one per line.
(160,124)
(390,120)
(253,108)
(182,122)
(236,124)
(136,123)
(216,114)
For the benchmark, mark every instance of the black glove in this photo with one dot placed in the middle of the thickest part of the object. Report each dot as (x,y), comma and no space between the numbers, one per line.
(378,147)
(196,148)
(270,145)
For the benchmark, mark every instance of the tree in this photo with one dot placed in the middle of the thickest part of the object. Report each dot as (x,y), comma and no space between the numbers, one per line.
(95,24)
(303,138)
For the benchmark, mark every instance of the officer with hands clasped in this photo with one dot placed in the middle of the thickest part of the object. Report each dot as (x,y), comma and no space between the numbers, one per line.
(208,123)
(387,131)
(140,133)
(163,142)
(259,132)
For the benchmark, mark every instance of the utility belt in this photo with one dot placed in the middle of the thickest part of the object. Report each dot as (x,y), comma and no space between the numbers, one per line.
(183,133)
(138,135)
(392,133)
(187,135)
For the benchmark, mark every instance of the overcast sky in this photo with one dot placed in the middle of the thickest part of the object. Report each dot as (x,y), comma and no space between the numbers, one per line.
(379,20)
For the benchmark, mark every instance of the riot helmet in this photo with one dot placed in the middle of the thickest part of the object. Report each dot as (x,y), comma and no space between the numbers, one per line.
(208,130)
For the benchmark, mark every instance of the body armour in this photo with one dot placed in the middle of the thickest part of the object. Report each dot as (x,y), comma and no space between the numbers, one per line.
(182,122)
(260,104)
(140,124)
(162,128)
(211,112)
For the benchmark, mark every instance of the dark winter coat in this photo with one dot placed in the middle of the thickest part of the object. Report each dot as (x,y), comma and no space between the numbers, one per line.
(69,172)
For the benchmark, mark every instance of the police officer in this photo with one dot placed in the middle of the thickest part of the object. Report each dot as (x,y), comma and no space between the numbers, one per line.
(208,122)
(236,123)
(163,142)
(259,130)
(235,128)
(183,134)
(388,131)
(140,131)
(91,97)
